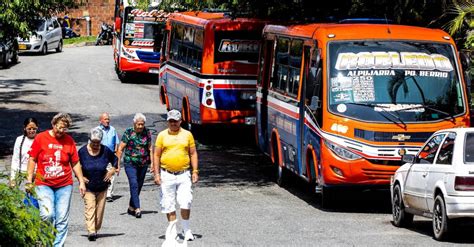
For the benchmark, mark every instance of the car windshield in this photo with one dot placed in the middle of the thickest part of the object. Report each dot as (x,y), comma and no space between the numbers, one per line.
(40,25)
(469,149)
(396,81)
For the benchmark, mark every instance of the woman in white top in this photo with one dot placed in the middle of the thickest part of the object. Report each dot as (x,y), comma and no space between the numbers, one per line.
(21,148)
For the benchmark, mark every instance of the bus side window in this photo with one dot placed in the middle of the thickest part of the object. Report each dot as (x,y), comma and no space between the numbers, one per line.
(313,80)
(296,52)
(280,79)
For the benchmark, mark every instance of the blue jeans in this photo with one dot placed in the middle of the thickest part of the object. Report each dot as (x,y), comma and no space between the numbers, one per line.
(54,206)
(136,177)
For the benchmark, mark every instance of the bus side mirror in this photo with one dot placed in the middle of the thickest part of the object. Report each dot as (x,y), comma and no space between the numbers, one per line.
(314,105)
(316,57)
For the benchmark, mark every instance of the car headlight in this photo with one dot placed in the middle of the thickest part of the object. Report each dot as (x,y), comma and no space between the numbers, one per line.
(342,152)
(34,38)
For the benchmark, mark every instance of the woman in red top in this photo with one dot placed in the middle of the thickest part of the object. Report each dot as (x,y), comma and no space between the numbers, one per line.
(54,152)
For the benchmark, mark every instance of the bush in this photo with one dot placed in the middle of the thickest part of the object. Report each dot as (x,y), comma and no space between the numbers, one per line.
(21,225)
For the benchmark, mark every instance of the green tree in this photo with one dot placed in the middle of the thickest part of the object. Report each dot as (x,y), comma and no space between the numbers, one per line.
(17,16)
(21,225)
(462,25)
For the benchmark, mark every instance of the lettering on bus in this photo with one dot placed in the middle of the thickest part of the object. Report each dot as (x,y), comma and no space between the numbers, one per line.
(235,46)
(142,43)
(393,60)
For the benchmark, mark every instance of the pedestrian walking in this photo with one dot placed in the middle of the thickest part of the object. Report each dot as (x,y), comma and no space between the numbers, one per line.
(111,140)
(20,150)
(98,164)
(136,145)
(176,169)
(55,155)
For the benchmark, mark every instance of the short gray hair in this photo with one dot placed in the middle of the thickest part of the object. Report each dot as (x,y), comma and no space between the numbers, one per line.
(139,116)
(62,117)
(96,134)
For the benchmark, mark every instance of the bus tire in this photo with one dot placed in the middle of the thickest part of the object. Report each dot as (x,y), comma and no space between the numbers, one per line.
(186,123)
(280,171)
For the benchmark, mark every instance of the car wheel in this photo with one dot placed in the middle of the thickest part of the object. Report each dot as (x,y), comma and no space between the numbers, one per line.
(60,46)
(400,217)
(15,57)
(440,219)
(44,51)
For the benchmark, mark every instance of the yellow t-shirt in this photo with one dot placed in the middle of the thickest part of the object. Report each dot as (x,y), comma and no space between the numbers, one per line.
(175,149)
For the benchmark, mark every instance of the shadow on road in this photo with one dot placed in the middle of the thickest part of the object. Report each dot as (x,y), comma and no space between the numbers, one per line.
(460,232)
(15,118)
(228,156)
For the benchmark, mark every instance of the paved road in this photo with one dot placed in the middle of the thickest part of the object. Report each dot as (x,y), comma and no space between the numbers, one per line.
(236,202)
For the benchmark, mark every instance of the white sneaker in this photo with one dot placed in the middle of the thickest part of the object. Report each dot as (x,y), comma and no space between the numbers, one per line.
(188,236)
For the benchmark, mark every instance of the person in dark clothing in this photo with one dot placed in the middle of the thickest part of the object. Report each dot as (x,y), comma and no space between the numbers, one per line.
(99,164)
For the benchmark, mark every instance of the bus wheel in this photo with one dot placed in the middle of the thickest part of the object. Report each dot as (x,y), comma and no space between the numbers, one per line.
(279,170)
(186,123)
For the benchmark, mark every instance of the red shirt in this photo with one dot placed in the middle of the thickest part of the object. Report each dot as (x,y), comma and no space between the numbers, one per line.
(54,158)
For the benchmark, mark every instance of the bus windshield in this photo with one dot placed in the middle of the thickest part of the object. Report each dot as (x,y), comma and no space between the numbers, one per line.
(142,30)
(403,81)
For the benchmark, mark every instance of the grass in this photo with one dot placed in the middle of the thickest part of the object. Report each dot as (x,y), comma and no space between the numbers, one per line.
(79,40)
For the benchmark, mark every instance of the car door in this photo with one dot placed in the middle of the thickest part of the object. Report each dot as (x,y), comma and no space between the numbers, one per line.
(57,32)
(441,168)
(416,180)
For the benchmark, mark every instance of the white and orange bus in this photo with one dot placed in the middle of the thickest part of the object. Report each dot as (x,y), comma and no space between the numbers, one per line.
(137,39)
(338,104)
(209,67)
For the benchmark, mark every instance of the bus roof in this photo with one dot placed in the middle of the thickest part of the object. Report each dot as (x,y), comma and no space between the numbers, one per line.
(201,18)
(359,31)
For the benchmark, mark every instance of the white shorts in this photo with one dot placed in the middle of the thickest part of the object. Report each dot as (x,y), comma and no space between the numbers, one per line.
(175,188)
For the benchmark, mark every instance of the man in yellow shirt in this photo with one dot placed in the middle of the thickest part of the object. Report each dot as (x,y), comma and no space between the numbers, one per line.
(175,153)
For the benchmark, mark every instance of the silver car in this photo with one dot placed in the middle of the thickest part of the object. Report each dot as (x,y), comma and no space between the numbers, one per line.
(438,182)
(48,36)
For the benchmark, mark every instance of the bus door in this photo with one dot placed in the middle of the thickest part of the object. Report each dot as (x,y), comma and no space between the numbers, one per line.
(265,73)
(310,105)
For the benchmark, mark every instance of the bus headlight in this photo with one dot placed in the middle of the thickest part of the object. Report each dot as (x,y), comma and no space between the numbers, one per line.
(342,152)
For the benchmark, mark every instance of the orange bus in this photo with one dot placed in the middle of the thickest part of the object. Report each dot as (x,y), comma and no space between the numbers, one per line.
(338,104)
(209,67)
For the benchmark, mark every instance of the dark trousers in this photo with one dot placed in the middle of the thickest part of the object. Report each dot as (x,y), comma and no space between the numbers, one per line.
(136,177)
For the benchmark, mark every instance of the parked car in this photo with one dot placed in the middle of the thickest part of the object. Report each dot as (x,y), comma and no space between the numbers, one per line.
(48,35)
(438,182)
(8,52)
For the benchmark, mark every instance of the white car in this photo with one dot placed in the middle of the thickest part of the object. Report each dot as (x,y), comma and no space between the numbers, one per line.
(438,182)
(48,36)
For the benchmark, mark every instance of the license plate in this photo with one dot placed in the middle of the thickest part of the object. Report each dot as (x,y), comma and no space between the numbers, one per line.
(153,71)
(21,46)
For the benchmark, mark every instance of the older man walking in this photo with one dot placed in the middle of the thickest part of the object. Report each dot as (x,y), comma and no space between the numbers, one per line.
(175,153)
(111,140)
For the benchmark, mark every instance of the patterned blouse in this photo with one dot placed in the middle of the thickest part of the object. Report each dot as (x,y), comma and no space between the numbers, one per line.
(137,149)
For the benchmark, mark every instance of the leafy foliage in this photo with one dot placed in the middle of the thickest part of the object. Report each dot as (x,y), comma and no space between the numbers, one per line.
(17,16)
(21,225)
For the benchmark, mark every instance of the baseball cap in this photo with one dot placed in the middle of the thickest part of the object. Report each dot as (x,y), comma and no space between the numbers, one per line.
(174,115)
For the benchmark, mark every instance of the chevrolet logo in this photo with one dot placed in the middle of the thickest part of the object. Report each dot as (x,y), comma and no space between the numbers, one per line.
(401,137)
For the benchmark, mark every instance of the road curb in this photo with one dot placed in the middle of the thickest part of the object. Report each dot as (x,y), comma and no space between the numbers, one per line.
(80,44)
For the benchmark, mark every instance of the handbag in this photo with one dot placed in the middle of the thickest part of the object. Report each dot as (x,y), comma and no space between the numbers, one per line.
(30,201)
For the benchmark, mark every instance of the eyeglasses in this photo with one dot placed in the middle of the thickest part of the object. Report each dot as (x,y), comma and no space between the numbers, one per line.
(60,128)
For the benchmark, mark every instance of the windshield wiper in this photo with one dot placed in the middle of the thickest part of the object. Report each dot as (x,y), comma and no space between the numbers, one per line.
(383,109)
(431,109)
